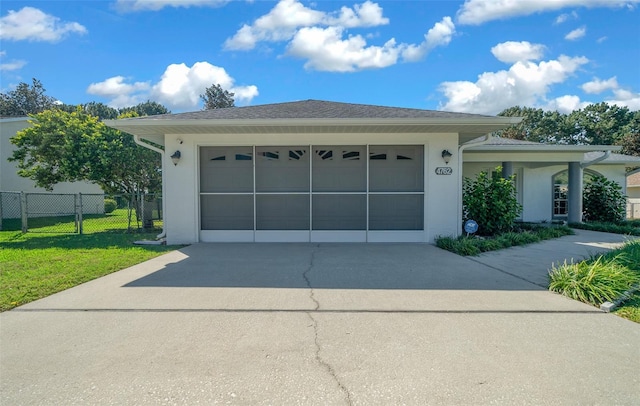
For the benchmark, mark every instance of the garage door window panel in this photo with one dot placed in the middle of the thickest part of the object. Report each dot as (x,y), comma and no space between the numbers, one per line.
(226,170)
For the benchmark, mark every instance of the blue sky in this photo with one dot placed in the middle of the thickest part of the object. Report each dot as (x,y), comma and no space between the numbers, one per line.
(476,56)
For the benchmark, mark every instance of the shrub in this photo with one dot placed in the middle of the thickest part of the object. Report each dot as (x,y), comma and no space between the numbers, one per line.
(595,282)
(464,245)
(109,205)
(491,201)
(604,201)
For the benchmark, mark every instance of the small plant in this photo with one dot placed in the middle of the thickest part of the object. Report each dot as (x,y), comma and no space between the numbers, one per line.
(597,281)
(626,227)
(491,201)
(604,201)
(470,246)
(110,205)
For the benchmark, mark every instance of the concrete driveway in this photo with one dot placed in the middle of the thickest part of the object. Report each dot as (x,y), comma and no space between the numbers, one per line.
(342,324)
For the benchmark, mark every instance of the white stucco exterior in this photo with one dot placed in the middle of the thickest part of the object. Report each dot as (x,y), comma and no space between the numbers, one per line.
(181,183)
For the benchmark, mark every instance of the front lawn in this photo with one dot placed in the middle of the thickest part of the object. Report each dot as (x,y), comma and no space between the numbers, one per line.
(35,265)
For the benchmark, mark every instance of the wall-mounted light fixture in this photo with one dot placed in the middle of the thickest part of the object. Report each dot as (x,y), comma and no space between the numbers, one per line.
(446,156)
(175,158)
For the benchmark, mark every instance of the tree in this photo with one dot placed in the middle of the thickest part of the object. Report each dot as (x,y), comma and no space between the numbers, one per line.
(64,146)
(599,124)
(630,141)
(148,108)
(25,100)
(215,97)
(537,125)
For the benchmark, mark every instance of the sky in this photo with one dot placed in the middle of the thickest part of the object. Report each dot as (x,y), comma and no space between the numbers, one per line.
(473,56)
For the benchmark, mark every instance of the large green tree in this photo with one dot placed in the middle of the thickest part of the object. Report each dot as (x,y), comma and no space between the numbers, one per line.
(76,146)
(595,124)
(215,97)
(25,100)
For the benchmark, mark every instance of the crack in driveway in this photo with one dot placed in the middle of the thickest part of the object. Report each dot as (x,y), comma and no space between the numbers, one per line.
(314,324)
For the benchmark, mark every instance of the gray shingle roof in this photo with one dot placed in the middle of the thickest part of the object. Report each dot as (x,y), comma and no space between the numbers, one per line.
(310,109)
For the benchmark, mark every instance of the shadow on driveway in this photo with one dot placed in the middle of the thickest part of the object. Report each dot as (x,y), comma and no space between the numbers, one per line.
(328,266)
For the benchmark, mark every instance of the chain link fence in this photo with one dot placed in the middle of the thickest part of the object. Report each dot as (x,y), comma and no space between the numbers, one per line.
(79,213)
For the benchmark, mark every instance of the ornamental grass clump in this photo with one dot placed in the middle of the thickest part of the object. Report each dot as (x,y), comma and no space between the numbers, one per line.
(596,281)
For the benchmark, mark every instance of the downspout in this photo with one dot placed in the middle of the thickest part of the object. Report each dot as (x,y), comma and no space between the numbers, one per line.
(461,149)
(137,140)
(606,155)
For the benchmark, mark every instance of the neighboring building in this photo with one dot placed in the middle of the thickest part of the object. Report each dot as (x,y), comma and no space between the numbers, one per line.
(324,171)
(633,193)
(11,182)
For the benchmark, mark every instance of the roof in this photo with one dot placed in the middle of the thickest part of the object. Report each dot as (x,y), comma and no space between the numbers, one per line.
(309,109)
(633,180)
(591,152)
(312,116)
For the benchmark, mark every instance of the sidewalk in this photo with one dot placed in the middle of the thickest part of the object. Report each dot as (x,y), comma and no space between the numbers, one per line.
(532,262)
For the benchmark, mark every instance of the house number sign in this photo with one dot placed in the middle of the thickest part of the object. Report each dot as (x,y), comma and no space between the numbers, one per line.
(444,170)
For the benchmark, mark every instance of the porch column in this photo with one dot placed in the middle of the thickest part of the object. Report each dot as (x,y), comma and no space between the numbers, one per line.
(507,169)
(574,194)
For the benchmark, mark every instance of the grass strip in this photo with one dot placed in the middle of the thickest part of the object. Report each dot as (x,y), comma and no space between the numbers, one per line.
(631,227)
(34,265)
(527,234)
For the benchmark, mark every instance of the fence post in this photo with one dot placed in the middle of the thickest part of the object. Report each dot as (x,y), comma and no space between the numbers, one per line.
(23,211)
(79,213)
(1,218)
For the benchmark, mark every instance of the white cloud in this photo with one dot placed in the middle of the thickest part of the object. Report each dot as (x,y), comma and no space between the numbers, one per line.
(34,25)
(327,51)
(598,86)
(475,12)
(6,66)
(511,51)
(121,94)
(626,98)
(525,83)
(439,35)
(284,20)
(179,88)
(576,34)
(565,104)
(321,38)
(565,17)
(155,5)
(12,65)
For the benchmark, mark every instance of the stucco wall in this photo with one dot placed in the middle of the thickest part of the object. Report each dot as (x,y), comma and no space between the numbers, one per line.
(536,184)
(181,181)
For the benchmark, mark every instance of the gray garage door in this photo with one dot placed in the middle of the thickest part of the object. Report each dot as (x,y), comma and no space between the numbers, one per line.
(312,188)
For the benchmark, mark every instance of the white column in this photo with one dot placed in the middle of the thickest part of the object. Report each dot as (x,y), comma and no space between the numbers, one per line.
(574,195)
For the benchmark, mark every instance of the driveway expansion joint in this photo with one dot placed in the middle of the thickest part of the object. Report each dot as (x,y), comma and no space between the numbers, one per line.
(314,324)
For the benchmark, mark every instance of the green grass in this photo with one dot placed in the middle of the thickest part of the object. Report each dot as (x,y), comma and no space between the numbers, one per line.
(630,308)
(526,234)
(629,227)
(602,278)
(117,220)
(36,265)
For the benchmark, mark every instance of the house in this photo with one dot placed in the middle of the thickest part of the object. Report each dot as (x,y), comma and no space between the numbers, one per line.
(323,171)
(11,184)
(542,173)
(633,194)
